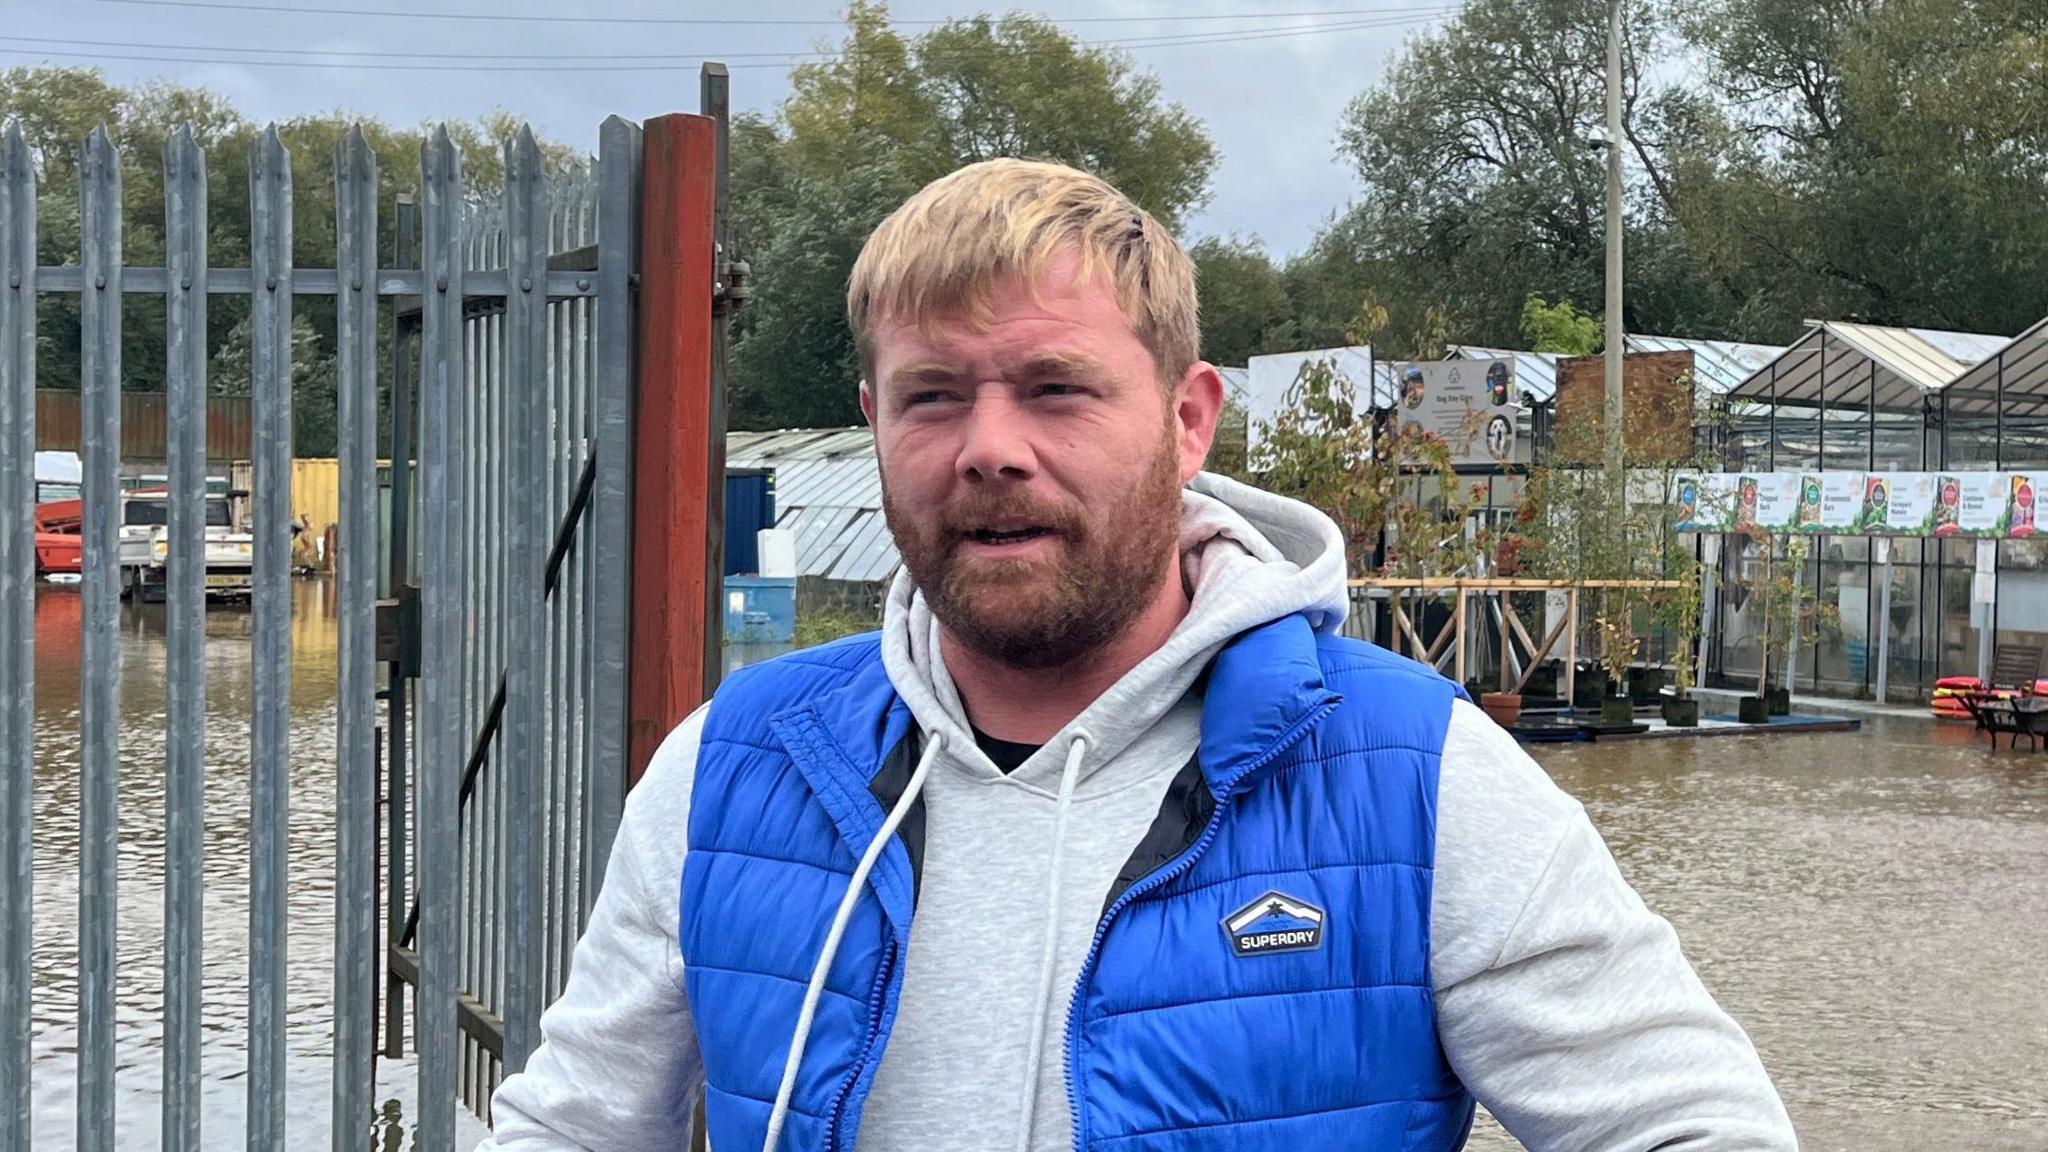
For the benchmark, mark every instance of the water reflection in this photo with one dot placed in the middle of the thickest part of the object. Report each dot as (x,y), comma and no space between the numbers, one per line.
(225,932)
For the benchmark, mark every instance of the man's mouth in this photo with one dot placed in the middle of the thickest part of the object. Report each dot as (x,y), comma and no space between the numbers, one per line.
(1006,535)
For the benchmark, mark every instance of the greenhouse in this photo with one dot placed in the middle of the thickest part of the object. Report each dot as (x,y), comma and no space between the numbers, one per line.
(1867,399)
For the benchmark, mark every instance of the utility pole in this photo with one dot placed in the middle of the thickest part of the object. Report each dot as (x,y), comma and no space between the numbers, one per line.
(1613,416)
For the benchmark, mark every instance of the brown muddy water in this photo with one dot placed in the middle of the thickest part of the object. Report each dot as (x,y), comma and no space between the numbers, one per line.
(140,936)
(1873,907)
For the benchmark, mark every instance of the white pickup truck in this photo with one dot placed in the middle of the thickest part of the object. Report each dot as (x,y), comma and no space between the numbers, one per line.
(145,545)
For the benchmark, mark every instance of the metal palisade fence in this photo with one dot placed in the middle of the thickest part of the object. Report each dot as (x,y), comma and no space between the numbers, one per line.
(483,715)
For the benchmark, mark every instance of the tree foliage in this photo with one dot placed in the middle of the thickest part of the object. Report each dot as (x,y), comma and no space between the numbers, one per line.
(888,114)
(1877,160)
(1559,328)
(58,108)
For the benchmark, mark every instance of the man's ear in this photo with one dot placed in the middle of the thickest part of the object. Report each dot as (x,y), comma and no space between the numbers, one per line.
(867,403)
(1197,407)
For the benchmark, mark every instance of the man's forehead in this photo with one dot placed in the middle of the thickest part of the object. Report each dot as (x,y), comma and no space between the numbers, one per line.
(1057,290)
(1026,361)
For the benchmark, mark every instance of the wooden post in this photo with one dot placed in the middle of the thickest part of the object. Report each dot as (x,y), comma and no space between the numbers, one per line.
(1459,639)
(1571,650)
(673,455)
(1507,646)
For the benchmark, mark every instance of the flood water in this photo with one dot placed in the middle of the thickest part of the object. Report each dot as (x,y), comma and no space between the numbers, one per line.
(140,936)
(1873,907)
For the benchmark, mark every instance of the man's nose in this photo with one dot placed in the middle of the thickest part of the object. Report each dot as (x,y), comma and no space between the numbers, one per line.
(996,444)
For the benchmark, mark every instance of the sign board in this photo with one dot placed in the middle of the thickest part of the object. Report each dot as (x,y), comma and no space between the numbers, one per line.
(1270,380)
(1657,412)
(1829,503)
(1468,404)
(1971,505)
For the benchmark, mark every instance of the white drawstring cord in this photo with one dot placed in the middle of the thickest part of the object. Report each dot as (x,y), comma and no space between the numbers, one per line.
(816,990)
(1048,954)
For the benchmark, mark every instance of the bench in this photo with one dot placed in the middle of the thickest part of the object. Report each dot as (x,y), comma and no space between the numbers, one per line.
(2008,703)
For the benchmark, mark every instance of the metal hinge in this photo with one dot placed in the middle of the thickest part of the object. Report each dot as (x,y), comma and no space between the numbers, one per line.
(732,287)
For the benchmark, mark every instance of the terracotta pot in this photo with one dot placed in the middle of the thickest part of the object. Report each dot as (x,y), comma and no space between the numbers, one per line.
(1504,707)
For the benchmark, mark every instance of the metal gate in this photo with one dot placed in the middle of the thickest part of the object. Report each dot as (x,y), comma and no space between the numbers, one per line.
(483,677)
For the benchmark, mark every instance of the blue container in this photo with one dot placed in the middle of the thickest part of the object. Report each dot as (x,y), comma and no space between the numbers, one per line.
(760,609)
(749,507)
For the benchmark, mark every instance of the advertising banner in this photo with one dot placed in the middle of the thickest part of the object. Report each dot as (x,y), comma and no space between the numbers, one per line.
(1468,404)
(1972,505)
(1830,503)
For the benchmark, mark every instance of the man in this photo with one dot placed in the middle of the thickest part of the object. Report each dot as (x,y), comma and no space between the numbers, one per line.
(1108,841)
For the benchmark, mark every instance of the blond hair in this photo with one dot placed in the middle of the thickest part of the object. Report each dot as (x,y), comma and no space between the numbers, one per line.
(946,248)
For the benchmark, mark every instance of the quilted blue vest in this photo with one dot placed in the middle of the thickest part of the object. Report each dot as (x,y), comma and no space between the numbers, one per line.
(1265,988)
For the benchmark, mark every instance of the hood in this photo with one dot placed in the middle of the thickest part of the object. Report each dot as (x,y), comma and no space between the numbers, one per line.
(1248,557)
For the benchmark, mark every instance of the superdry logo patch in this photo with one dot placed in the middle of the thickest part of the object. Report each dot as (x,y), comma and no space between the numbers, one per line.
(1275,923)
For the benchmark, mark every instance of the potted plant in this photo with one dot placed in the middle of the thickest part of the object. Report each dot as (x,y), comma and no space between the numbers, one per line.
(1791,617)
(1647,685)
(1680,611)
(1615,626)
(1590,687)
(1504,707)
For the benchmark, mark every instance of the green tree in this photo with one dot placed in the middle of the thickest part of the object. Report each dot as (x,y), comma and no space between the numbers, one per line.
(1481,184)
(889,113)
(1884,161)
(1243,298)
(1559,328)
(58,109)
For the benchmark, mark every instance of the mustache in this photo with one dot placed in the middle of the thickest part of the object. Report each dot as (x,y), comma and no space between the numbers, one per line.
(974,513)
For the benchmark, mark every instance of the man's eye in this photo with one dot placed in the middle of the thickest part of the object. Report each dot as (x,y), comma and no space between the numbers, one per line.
(1058,389)
(929,396)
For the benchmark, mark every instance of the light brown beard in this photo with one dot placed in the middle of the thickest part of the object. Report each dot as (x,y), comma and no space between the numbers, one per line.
(1047,613)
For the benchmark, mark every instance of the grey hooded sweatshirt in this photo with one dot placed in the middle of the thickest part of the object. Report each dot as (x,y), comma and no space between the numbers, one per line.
(1563,1003)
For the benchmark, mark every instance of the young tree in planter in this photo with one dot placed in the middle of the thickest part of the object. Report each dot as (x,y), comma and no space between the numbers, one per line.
(1373,481)
(1395,495)
(1327,449)
(1574,525)
(1680,612)
(1791,617)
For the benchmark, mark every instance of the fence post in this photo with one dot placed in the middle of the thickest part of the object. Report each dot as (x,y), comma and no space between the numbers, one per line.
(528,524)
(672,639)
(443,497)
(185,636)
(613,391)
(355,782)
(17,624)
(270,380)
(99,216)
(715,103)
(405,604)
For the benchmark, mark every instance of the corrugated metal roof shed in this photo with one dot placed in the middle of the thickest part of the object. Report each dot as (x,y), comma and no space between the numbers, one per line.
(2016,374)
(870,554)
(1850,364)
(767,449)
(828,491)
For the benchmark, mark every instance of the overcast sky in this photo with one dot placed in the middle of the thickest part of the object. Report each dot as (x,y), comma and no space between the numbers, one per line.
(1270,102)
